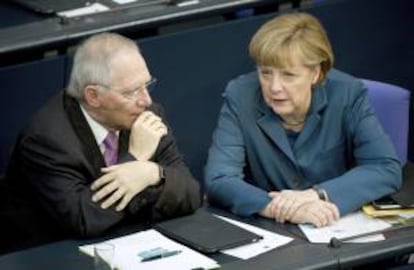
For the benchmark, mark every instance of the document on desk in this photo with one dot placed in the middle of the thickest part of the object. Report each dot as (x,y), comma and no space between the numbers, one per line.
(129,250)
(91,9)
(350,225)
(121,2)
(270,241)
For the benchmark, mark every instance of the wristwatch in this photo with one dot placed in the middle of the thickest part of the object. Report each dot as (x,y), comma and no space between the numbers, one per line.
(321,193)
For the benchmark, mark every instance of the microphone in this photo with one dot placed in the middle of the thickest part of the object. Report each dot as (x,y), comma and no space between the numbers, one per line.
(335,243)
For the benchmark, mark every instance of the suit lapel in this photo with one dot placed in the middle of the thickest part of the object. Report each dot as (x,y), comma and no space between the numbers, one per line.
(123,143)
(89,146)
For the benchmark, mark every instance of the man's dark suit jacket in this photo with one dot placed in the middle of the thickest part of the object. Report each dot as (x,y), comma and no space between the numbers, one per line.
(56,159)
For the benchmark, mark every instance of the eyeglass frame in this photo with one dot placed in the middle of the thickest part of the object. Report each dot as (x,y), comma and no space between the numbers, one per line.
(133,94)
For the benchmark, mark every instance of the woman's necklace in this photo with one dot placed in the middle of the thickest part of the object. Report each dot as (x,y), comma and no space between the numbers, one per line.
(293,125)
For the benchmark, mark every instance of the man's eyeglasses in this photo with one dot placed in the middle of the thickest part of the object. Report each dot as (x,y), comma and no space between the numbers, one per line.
(149,86)
(134,94)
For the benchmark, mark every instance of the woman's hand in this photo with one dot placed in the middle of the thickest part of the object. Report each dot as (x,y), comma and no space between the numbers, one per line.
(300,206)
(286,202)
(319,213)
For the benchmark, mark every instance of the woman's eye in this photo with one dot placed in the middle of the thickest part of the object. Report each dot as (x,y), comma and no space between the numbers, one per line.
(266,72)
(288,74)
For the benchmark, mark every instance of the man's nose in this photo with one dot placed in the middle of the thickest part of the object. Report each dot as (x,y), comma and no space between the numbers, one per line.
(145,99)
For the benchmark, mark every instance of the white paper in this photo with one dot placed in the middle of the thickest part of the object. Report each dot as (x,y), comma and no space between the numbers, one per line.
(270,241)
(91,9)
(368,238)
(188,3)
(406,215)
(128,247)
(349,225)
(123,1)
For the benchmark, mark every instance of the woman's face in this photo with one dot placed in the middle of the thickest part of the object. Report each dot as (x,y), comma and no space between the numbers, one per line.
(288,91)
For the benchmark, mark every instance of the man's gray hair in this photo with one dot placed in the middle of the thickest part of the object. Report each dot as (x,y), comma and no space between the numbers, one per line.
(92,61)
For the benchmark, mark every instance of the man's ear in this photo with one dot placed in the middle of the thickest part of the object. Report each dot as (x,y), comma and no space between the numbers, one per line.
(91,96)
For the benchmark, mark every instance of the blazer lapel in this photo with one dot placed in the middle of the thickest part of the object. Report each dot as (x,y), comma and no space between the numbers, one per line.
(270,124)
(89,146)
(319,102)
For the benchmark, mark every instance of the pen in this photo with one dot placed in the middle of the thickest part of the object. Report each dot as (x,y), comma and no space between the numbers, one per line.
(161,255)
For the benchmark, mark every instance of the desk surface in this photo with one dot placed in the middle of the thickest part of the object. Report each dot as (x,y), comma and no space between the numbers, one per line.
(298,254)
(36,31)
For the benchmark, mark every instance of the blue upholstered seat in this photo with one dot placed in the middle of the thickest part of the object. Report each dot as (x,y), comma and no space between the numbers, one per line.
(392,104)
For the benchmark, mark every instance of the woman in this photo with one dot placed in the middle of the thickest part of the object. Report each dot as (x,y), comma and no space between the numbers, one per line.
(297,141)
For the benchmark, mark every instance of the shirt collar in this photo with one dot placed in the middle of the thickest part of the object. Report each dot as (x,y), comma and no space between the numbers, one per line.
(98,130)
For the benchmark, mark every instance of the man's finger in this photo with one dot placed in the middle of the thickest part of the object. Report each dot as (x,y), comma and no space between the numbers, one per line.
(109,168)
(115,196)
(143,116)
(124,202)
(101,181)
(105,191)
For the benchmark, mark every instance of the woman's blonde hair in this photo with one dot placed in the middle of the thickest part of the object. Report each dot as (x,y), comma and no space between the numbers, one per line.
(287,38)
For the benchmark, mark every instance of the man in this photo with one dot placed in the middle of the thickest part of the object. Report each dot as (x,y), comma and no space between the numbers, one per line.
(100,154)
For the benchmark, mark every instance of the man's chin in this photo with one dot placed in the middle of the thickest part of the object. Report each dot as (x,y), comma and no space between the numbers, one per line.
(124,126)
(131,122)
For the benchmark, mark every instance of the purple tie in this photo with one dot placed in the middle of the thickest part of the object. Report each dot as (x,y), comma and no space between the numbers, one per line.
(111,148)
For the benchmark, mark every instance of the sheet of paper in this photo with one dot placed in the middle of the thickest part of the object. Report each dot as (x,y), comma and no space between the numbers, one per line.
(91,9)
(349,225)
(128,247)
(188,3)
(270,241)
(369,238)
(124,1)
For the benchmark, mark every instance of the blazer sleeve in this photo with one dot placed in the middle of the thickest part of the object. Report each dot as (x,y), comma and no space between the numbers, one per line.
(179,193)
(377,170)
(62,185)
(225,181)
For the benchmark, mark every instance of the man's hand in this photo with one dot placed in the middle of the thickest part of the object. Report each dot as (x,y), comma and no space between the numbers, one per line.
(122,182)
(146,133)
(286,202)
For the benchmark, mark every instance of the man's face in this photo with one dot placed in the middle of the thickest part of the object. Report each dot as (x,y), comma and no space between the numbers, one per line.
(127,96)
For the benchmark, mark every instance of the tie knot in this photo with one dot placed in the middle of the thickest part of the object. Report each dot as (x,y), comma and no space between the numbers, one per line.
(111,140)
(111,148)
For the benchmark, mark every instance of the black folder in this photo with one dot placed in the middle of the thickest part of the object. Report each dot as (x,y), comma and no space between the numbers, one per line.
(206,233)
